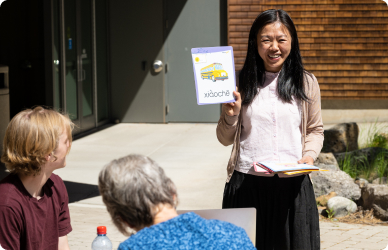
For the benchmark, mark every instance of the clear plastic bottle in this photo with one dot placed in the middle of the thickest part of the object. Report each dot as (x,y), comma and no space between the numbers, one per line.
(101,242)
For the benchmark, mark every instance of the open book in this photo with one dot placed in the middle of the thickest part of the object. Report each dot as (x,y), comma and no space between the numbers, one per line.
(288,168)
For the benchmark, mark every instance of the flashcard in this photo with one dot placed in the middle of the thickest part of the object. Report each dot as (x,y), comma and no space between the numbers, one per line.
(214,74)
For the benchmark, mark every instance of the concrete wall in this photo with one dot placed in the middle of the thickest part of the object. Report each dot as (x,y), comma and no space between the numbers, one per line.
(360,111)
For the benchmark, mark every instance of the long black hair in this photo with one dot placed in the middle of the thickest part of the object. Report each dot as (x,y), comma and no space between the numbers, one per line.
(290,80)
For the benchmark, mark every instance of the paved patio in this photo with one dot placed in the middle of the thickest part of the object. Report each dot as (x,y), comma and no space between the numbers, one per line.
(334,236)
(195,161)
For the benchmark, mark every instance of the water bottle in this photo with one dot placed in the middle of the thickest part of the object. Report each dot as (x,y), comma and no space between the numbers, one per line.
(101,242)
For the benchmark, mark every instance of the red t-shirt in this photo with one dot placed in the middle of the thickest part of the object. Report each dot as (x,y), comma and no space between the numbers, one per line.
(30,224)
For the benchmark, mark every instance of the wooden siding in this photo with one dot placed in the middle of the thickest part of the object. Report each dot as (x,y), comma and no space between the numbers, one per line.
(344,43)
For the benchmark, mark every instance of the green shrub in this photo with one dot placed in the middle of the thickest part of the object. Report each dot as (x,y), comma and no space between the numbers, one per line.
(348,165)
(379,140)
(374,136)
(330,213)
(366,169)
(381,165)
(361,167)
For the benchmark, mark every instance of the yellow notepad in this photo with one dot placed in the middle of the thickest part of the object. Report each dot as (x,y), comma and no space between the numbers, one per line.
(302,171)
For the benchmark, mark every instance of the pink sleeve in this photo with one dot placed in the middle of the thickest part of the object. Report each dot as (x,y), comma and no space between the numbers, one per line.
(227,125)
(314,129)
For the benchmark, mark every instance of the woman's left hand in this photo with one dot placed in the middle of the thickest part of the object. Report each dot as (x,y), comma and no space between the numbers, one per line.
(306,159)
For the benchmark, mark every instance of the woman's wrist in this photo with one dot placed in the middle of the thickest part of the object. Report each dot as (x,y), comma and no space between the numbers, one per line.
(230,120)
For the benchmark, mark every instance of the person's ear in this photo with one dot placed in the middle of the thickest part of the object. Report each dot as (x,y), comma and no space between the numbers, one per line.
(48,157)
(175,199)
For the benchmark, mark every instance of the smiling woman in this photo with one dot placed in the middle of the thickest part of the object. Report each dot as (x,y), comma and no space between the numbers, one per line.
(274,46)
(276,117)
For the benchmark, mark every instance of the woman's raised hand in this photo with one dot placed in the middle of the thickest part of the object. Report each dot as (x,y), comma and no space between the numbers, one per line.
(233,108)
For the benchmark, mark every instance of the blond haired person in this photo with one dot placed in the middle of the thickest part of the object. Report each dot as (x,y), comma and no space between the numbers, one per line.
(34,211)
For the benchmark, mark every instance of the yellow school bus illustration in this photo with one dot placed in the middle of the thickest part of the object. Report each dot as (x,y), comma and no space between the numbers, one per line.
(214,72)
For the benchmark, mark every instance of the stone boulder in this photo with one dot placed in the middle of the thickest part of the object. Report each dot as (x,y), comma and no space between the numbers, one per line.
(341,138)
(341,206)
(361,155)
(361,182)
(374,194)
(383,180)
(380,213)
(335,181)
(323,199)
(326,161)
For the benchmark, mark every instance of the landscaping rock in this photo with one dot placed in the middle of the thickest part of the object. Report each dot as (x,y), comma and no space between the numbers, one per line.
(361,182)
(380,213)
(341,138)
(383,180)
(335,181)
(374,194)
(341,206)
(368,154)
(321,210)
(326,161)
(324,198)
(326,158)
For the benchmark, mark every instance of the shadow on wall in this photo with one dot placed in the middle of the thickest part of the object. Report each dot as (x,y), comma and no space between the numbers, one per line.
(137,35)
(77,191)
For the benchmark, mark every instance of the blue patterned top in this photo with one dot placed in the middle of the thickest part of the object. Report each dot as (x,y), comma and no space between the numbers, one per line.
(189,231)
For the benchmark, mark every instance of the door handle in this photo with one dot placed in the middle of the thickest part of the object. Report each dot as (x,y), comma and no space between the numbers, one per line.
(158,66)
(81,74)
(84,55)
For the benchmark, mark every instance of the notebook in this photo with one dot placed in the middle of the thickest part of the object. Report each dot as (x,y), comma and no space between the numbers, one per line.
(289,168)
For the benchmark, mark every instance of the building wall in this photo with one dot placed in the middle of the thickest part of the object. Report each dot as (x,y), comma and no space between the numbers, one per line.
(343,43)
(139,36)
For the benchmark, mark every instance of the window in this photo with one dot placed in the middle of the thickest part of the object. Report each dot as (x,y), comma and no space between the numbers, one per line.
(218,66)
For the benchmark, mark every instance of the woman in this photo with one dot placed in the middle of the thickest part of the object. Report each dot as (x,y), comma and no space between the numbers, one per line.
(276,117)
(34,212)
(138,195)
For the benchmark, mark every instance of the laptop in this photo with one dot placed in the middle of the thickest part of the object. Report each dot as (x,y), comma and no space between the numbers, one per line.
(242,217)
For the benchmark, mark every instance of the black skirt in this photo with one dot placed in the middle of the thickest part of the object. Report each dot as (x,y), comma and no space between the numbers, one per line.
(287,215)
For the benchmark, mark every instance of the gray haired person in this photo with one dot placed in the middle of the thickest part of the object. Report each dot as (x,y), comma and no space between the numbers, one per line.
(138,195)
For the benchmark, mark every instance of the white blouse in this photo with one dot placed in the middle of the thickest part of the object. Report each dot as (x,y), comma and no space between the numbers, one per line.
(271,129)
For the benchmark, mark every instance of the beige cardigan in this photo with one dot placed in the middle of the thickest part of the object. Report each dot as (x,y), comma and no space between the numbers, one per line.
(229,127)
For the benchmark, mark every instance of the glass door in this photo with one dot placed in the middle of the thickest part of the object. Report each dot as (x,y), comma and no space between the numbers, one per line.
(85,64)
(79,63)
(80,83)
(80,40)
(71,62)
